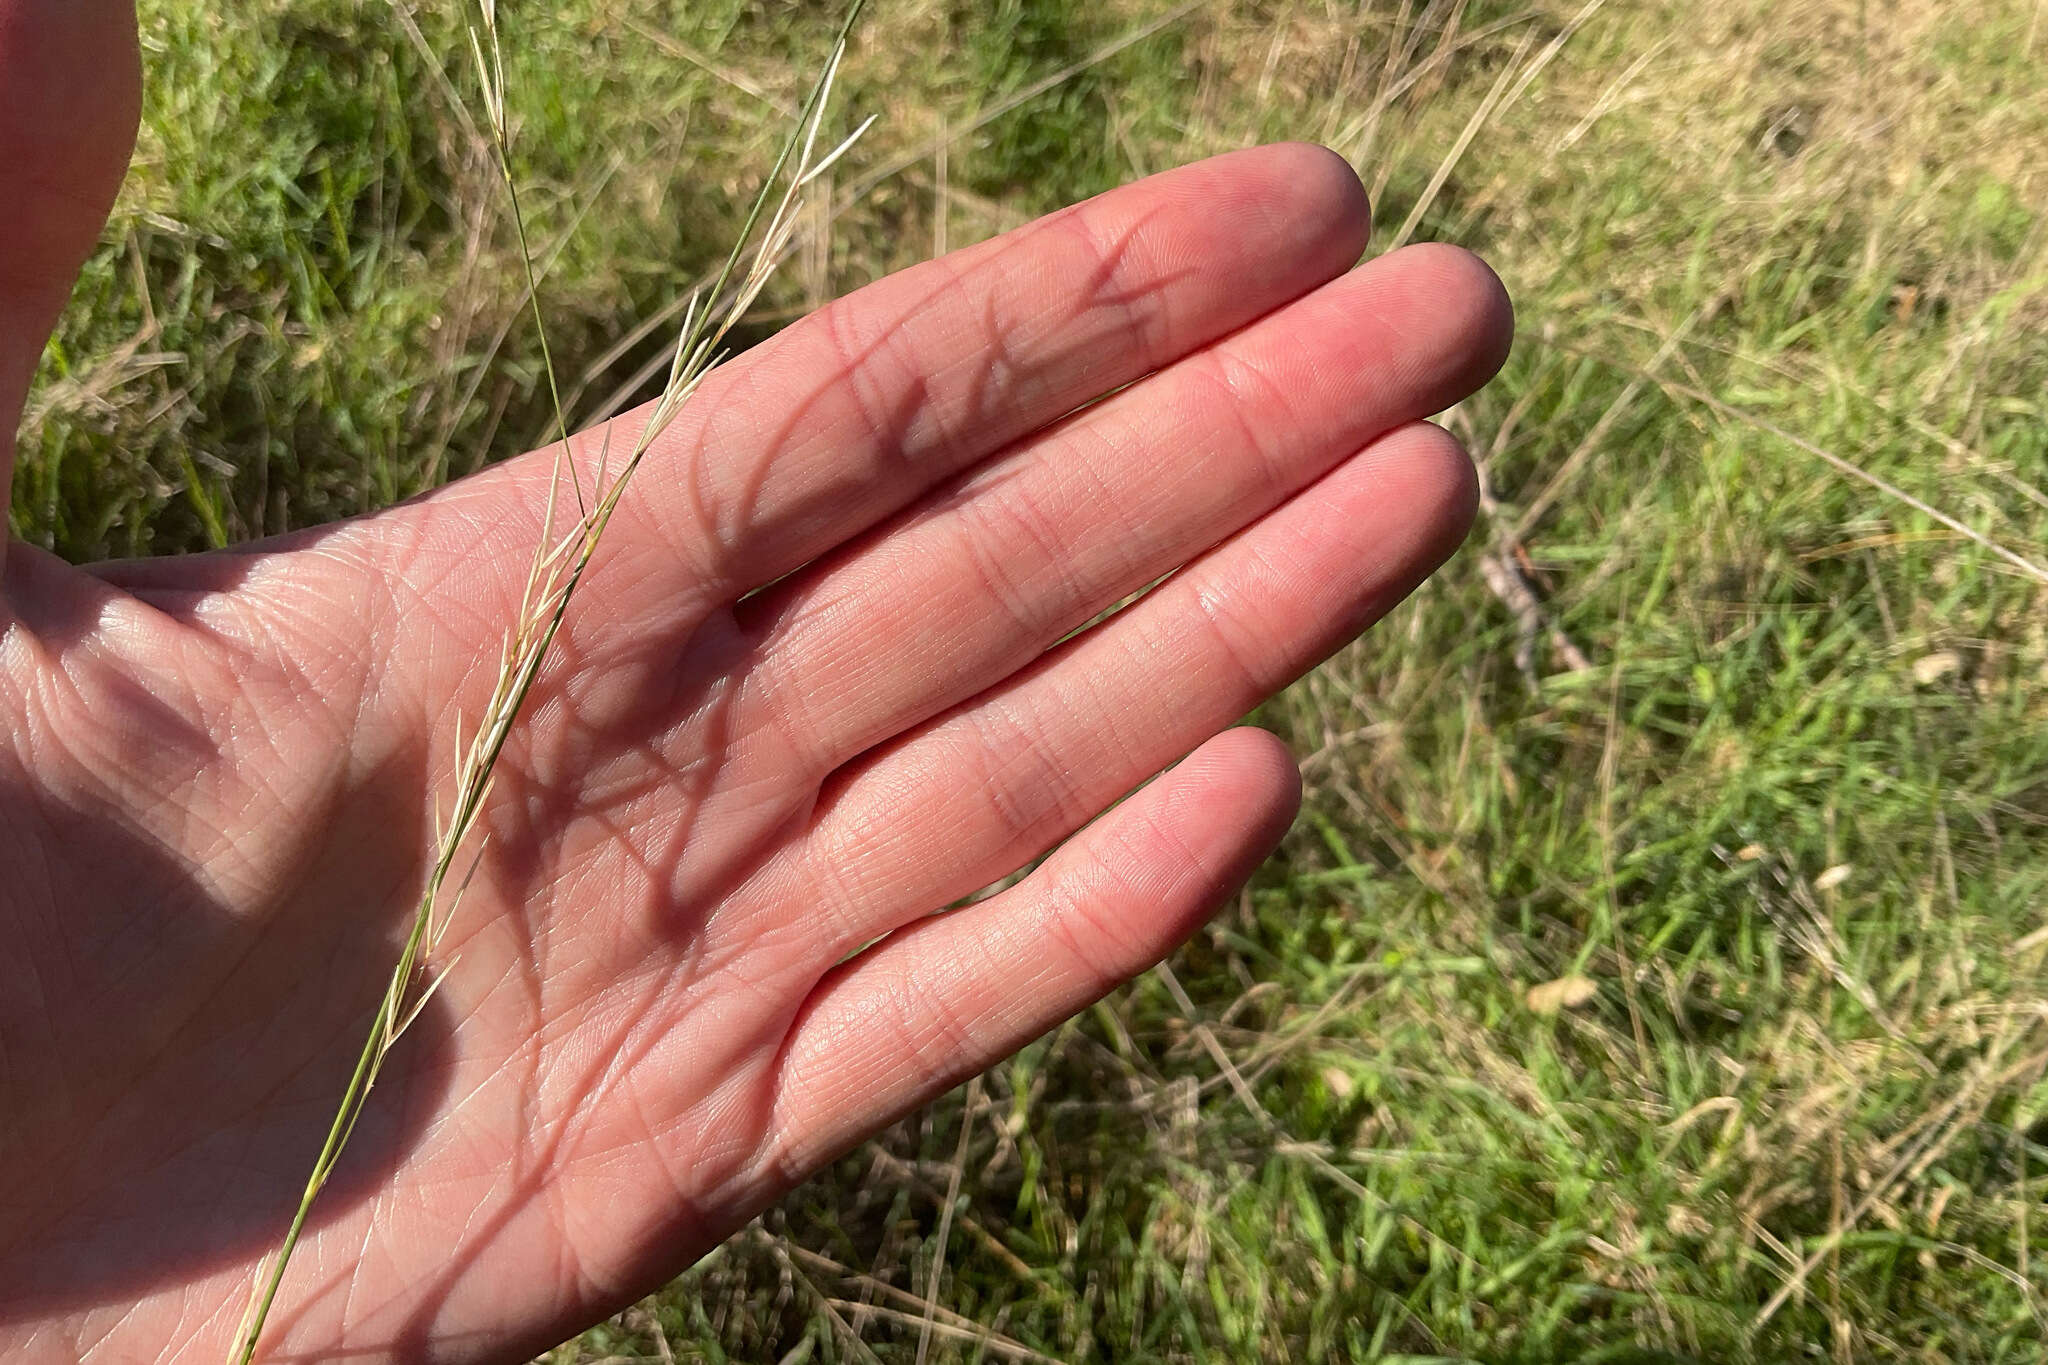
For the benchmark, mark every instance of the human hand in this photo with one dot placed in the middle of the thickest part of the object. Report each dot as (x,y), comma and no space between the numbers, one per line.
(815,691)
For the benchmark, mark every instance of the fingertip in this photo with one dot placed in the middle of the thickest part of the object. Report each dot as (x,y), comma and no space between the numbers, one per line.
(1326,188)
(1439,482)
(1311,200)
(1417,487)
(1479,310)
(1234,797)
(1260,767)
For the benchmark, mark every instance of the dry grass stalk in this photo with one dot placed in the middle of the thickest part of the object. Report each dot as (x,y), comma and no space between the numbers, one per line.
(562,558)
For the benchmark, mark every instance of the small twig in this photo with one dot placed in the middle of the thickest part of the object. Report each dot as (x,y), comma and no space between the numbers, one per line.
(1505,577)
(1500,567)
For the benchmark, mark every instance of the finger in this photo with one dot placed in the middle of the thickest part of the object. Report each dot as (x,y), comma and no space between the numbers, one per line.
(979,792)
(70,95)
(858,409)
(1037,542)
(949,997)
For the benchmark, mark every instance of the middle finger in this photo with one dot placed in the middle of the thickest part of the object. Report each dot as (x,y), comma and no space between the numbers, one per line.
(963,590)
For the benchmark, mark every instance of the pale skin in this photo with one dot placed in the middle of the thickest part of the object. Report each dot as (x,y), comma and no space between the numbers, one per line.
(661,1011)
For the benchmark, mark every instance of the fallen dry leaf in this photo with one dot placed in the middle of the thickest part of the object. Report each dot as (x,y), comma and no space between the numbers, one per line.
(1565,993)
(1932,668)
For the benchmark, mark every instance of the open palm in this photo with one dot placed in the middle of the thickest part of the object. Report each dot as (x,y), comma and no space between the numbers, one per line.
(824,682)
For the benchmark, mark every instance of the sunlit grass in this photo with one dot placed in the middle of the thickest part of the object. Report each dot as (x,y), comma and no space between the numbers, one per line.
(1789,822)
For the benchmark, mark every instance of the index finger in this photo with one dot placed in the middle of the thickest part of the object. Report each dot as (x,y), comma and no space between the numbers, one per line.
(854,412)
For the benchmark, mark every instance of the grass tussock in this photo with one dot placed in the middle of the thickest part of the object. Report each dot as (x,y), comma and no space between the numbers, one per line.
(1709,722)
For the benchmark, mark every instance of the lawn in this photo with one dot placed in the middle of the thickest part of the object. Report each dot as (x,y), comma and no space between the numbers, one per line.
(1657,972)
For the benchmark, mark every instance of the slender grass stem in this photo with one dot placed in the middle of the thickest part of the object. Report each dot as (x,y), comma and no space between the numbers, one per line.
(547,359)
(556,573)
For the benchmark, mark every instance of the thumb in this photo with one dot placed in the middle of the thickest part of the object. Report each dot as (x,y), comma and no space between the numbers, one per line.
(70,95)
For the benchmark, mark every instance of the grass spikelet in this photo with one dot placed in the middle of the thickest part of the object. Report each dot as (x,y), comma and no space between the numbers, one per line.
(567,544)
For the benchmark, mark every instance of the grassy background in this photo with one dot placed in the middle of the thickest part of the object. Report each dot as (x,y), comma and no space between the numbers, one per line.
(1657,974)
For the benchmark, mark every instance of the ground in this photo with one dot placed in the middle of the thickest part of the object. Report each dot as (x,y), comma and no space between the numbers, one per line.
(1657,971)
